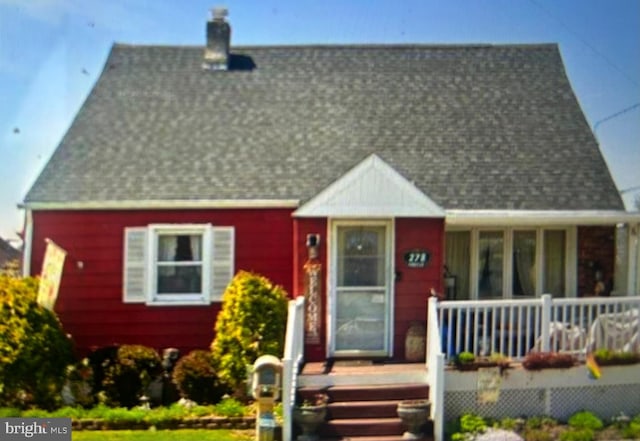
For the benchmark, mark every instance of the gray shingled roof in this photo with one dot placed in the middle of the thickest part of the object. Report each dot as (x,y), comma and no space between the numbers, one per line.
(474,127)
(7,253)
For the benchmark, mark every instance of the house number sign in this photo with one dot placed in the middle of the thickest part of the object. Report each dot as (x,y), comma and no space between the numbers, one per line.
(417,258)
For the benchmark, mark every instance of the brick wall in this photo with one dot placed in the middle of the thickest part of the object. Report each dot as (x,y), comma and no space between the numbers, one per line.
(596,250)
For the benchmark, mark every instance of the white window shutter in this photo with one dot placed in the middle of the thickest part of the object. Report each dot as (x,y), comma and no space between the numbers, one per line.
(222,261)
(134,287)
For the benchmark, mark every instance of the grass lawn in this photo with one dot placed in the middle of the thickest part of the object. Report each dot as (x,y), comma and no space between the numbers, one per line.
(163,435)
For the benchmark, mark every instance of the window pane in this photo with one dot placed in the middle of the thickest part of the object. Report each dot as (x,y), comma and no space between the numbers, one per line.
(361,256)
(554,258)
(524,263)
(184,279)
(490,246)
(179,248)
(360,321)
(458,258)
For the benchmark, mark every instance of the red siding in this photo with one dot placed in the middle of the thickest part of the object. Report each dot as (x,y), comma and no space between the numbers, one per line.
(90,300)
(414,284)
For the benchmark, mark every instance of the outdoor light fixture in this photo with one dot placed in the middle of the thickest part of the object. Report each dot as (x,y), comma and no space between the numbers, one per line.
(313,240)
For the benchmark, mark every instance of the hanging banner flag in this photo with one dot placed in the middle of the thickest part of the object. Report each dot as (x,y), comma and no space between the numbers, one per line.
(593,367)
(51,274)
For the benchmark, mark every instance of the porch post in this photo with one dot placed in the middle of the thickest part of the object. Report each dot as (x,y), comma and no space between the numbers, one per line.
(545,322)
(633,260)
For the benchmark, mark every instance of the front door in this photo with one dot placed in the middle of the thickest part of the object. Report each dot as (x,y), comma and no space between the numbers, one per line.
(360,289)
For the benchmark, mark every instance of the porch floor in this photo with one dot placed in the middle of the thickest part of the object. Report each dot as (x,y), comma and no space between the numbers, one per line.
(360,372)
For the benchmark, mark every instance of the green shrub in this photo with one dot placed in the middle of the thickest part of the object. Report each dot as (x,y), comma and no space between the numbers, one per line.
(79,384)
(632,431)
(606,357)
(196,379)
(470,423)
(537,435)
(514,424)
(251,323)
(585,420)
(465,357)
(230,407)
(9,412)
(540,422)
(68,412)
(34,350)
(577,435)
(127,379)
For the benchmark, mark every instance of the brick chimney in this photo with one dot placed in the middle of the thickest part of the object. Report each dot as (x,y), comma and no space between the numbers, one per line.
(216,54)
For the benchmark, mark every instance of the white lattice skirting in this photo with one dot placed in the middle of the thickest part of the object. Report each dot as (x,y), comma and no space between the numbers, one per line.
(558,393)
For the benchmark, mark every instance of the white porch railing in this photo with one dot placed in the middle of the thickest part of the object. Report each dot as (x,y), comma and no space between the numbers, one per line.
(291,362)
(515,327)
(435,370)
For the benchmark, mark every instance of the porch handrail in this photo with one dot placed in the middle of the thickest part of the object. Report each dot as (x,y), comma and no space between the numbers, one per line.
(435,369)
(514,327)
(291,362)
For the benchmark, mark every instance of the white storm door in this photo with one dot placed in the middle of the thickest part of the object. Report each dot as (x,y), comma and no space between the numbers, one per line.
(360,310)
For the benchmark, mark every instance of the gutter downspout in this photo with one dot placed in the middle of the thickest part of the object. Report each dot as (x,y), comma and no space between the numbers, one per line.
(28,243)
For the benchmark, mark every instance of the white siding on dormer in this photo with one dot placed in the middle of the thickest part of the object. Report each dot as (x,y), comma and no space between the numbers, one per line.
(371,189)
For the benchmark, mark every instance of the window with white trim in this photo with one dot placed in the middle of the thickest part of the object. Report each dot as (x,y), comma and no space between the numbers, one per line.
(523,262)
(177,264)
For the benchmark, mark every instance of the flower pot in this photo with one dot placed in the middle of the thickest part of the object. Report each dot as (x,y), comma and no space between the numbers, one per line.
(414,414)
(309,418)
(415,344)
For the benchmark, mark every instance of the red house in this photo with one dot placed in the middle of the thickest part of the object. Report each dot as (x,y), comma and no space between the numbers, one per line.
(358,175)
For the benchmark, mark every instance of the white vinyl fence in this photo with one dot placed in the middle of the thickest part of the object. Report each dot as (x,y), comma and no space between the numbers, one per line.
(516,327)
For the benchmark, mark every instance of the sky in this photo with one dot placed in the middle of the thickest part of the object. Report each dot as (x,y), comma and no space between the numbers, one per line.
(53,51)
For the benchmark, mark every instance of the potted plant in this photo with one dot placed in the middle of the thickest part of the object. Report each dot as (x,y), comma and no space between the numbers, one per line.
(607,357)
(414,414)
(536,361)
(466,361)
(309,415)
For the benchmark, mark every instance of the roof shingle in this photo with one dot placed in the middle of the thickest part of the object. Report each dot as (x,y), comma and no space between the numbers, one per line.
(473,127)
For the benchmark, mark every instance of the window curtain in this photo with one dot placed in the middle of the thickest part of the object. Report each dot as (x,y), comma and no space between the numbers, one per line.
(196,247)
(179,248)
(167,248)
(554,258)
(490,247)
(458,256)
(524,257)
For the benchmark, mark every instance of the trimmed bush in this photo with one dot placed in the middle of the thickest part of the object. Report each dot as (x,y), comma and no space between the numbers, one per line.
(196,379)
(251,323)
(127,379)
(586,420)
(100,360)
(34,350)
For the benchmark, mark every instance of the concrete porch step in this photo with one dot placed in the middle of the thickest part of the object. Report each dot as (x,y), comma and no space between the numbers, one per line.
(342,428)
(363,409)
(378,392)
(363,397)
